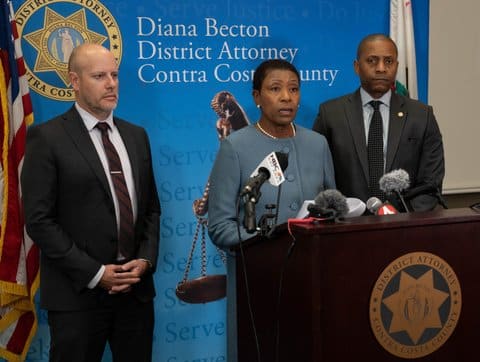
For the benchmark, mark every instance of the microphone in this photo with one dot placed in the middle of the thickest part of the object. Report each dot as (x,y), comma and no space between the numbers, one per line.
(395,182)
(271,169)
(329,204)
(373,204)
(376,207)
(356,207)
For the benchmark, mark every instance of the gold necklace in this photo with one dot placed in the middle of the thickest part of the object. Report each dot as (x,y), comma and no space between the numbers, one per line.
(272,136)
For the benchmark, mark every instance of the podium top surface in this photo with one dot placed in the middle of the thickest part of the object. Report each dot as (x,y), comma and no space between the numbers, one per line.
(440,216)
(369,223)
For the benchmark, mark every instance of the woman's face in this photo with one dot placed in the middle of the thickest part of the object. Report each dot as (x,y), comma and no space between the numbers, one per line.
(278,97)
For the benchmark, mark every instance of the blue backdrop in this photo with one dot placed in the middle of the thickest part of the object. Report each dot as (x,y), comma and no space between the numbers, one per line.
(175,56)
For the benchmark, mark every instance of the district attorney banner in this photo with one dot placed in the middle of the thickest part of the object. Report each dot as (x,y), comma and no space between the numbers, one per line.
(174,58)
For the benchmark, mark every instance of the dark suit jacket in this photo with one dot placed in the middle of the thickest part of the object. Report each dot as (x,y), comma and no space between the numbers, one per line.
(69,210)
(414,143)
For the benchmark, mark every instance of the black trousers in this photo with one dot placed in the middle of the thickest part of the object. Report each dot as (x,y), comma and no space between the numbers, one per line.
(121,320)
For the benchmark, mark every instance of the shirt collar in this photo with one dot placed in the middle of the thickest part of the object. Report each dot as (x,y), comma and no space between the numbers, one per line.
(366,98)
(91,121)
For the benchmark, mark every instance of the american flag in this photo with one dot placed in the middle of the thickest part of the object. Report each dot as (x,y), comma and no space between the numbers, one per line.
(19,263)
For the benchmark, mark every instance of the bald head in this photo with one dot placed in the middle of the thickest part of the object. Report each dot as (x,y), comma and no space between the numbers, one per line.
(371,38)
(83,54)
(93,72)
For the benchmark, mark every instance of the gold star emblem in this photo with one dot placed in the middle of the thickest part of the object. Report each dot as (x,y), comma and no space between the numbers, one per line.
(56,40)
(63,29)
(415,305)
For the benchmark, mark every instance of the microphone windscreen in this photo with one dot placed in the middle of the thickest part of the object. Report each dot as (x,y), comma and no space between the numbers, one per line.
(396,180)
(333,199)
(320,200)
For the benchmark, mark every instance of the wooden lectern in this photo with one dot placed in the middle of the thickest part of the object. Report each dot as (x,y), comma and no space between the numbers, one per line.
(323,311)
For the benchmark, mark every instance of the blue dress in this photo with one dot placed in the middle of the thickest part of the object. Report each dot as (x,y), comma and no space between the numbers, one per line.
(309,171)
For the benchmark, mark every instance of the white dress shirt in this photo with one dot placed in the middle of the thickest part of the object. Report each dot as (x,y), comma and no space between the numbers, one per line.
(95,134)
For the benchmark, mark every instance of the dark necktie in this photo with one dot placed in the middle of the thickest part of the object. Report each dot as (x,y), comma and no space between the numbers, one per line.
(375,151)
(126,232)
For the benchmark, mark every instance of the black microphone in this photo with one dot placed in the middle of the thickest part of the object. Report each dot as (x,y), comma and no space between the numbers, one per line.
(395,182)
(329,204)
(272,165)
(373,204)
(271,169)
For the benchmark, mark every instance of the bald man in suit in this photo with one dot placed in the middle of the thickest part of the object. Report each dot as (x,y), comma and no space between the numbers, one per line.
(95,289)
(411,137)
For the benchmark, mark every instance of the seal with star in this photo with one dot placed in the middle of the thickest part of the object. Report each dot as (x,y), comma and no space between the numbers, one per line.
(415,305)
(49,31)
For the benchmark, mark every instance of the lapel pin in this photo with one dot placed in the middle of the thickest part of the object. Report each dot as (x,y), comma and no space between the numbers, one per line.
(400,114)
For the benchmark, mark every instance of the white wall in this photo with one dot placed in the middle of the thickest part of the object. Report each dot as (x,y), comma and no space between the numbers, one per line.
(454,84)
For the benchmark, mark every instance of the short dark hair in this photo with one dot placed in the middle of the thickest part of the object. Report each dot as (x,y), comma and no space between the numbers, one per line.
(373,37)
(268,65)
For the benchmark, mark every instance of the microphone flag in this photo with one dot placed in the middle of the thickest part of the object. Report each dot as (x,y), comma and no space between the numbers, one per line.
(272,164)
(386,209)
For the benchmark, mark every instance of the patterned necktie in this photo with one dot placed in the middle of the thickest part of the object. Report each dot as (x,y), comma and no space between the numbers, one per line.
(375,151)
(126,232)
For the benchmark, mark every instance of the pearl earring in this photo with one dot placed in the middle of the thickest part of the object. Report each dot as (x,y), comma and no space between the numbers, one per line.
(258,106)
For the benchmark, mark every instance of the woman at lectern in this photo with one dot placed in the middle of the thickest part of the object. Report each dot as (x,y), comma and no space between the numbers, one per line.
(247,176)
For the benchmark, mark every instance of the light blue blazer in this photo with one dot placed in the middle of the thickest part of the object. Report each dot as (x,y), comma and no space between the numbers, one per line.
(310,170)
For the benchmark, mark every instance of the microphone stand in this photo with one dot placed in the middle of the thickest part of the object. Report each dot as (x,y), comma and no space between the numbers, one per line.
(400,196)
(245,276)
(270,221)
(440,199)
(250,218)
(267,222)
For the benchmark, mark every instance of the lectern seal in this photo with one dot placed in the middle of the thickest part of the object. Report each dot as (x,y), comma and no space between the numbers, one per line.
(415,305)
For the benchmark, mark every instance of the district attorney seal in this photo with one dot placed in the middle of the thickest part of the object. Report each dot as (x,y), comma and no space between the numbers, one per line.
(415,305)
(51,29)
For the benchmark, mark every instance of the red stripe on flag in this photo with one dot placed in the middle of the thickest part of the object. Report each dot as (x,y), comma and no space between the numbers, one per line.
(27,104)
(22,70)
(17,148)
(33,265)
(20,336)
(13,238)
(14,29)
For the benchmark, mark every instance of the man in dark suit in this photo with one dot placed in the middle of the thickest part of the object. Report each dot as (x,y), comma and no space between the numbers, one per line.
(98,242)
(411,136)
